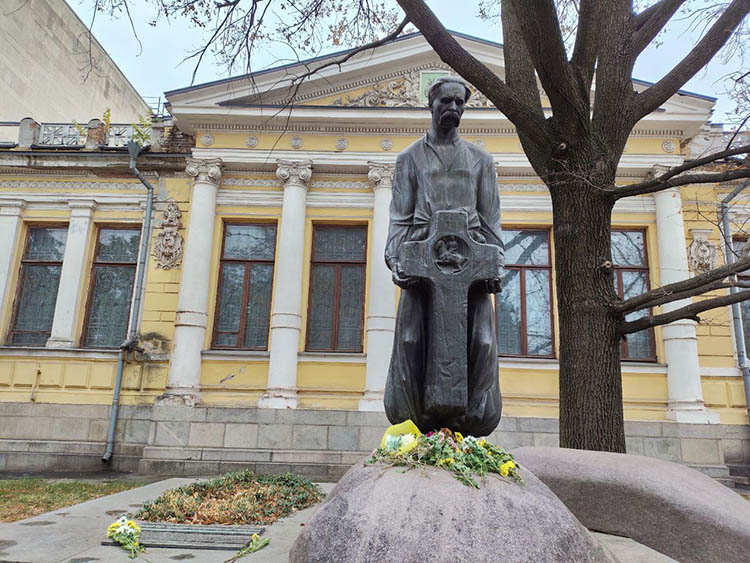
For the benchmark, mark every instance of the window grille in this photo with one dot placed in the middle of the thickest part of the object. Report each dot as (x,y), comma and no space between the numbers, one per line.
(111,287)
(337,289)
(38,281)
(524,307)
(245,284)
(631,278)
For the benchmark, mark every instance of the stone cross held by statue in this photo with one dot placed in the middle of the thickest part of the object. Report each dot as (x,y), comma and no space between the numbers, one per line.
(449,261)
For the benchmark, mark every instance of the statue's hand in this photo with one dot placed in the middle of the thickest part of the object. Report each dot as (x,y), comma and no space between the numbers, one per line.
(478,237)
(493,286)
(401,279)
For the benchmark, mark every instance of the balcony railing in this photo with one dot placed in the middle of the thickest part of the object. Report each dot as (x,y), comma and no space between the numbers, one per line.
(69,134)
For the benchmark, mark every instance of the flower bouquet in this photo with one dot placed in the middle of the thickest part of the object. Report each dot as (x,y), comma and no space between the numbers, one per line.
(465,456)
(126,533)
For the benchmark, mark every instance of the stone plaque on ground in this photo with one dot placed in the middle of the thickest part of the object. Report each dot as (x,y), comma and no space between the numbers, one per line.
(232,538)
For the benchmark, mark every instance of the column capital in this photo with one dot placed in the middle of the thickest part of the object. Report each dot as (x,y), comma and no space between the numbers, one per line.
(82,207)
(205,170)
(381,174)
(12,207)
(294,172)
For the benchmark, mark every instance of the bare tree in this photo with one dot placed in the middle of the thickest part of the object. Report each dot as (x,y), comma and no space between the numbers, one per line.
(564,46)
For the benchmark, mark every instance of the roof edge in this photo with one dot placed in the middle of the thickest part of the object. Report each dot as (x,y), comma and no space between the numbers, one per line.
(396,40)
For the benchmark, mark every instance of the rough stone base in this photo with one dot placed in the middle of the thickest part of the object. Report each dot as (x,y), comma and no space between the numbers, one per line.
(666,506)
(322,444)
(386,514)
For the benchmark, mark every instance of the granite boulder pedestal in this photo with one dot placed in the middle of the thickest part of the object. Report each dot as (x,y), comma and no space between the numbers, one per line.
(384,514)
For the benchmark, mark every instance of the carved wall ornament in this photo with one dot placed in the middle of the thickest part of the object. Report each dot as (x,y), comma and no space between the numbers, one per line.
(386,144)
(702,253)
(294,172)
(402,91)
(252,141)
(342,144)
(169,246)
(296,142)
(381,174)
(668,145)
(207,140)
(205,170)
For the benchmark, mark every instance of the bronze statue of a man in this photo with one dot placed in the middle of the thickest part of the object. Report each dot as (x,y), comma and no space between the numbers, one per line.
(442,172)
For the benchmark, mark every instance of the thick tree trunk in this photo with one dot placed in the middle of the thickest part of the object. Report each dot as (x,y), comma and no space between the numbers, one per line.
(591,411)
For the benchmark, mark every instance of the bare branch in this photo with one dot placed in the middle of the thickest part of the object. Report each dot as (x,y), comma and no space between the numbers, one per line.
(651,21)
(520,77)
(699,56)
(683,180)
(521,115)
(687,312)
(587,40)
(660,182)
(537,20)
(737,132)
(682,289)
(339,61)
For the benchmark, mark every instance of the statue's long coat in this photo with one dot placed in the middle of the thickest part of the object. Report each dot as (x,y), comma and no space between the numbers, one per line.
(422,185)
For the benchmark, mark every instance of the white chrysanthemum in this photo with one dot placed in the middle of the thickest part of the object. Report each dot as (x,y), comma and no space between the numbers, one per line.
(392,443)
(408,439)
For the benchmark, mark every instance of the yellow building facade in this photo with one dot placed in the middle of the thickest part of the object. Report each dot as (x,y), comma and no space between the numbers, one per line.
(265,286)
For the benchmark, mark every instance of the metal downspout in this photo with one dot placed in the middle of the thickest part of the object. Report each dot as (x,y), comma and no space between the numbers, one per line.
(135,311)
(739,336)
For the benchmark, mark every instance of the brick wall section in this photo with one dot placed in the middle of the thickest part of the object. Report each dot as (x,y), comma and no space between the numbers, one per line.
(318,444)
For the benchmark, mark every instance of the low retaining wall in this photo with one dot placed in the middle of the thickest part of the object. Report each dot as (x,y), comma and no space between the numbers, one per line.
(320,444)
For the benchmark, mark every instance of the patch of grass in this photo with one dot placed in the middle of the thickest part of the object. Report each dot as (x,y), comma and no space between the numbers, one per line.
(235,498)
(27,497)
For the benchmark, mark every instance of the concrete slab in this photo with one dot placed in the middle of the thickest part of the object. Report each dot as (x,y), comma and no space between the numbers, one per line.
(630,551)
(74,535)
(63,534)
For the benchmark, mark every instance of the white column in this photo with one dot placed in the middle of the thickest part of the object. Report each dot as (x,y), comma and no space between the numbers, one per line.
(286,317)
(10,230)
(684,392)
(74,264)
(183,386)
(381,311)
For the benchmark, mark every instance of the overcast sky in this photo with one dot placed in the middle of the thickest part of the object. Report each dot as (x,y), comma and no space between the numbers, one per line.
(158,67)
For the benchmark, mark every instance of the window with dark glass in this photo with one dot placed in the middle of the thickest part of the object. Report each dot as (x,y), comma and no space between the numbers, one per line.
(38,281)
(337,288)
(631,279)
(112,278)
(524,307)
(245,283)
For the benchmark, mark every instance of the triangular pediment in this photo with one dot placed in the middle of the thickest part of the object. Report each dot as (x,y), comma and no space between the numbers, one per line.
(395,76)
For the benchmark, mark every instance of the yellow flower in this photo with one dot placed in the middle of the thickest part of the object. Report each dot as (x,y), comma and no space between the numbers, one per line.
(482,442)
(446,461)
(459,437)
(506,467)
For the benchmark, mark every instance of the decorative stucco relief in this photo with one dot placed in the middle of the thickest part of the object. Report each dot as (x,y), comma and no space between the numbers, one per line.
(702,253)
(403,91)
(169,245)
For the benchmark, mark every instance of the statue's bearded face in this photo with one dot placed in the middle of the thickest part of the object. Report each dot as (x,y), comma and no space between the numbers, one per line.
(448,106)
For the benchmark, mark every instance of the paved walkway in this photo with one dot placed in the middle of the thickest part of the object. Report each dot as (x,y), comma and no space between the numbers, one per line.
(74,535)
